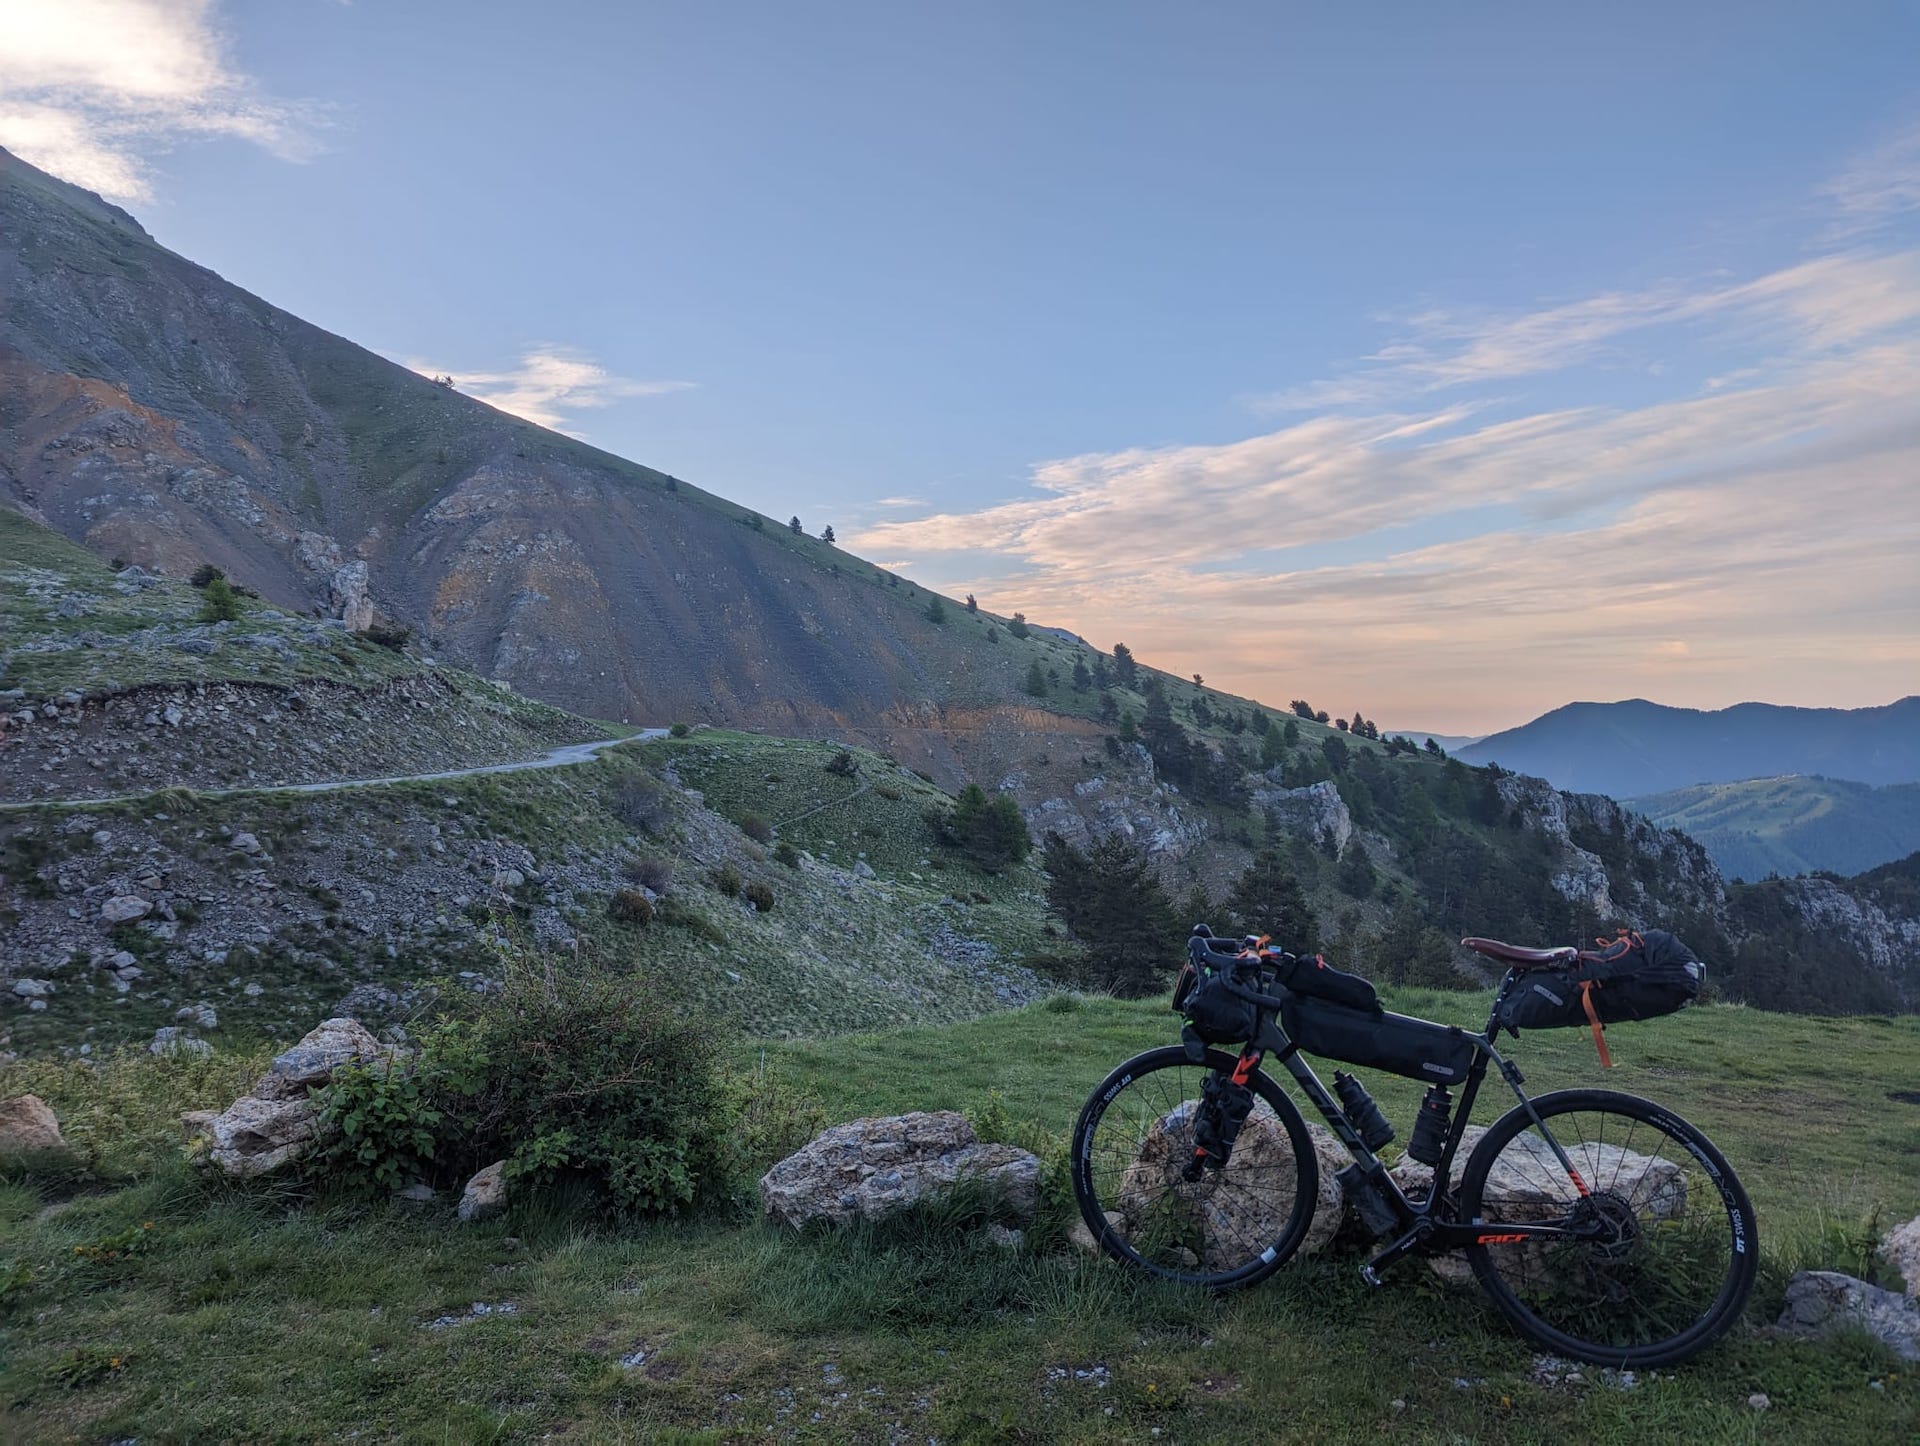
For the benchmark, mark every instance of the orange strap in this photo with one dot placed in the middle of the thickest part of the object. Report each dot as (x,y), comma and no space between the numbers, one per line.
(1593,1018)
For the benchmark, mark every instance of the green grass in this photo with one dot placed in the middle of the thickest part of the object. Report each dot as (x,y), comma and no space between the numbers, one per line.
(242,1315)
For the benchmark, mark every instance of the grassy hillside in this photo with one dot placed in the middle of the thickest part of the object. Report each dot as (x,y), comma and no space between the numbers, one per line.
(1793,825)
(237,1312)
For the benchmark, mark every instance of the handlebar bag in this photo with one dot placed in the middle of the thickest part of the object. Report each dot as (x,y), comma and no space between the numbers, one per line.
(1200,997)
(1637,975)
(1374,1039)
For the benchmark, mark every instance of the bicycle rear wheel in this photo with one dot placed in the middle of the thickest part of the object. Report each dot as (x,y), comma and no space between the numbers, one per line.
(1659,1250)
(1230,1227)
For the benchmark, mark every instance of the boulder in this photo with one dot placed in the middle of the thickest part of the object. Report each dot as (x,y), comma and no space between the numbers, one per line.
(1901,1250)
(347,590)
(27,1125)
(1081,1238)
(1528,1179)
(871,1168)
(124,909)
(254,1136)
(1821,1302)
(278,1123)
(1235,1223)
(197,1125)
(33,988)
(311,1062)
(486,1193)
(173,1039)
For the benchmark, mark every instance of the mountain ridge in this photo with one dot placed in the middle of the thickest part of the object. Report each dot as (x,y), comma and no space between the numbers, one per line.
(1635,747)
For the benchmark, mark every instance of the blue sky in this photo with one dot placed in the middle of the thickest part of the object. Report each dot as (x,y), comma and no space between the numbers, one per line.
(1445,362)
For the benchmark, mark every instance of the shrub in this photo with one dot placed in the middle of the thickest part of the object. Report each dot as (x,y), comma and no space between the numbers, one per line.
(576,1077)
(390,635)
(204,574)
(890,792)
(786,853)
(631,906)
(678,914)
(680,730)
(760,896)
(844,765)
(756,828)
(641,803)
(221,606)
(726,879)
(381,1124)
(651,871)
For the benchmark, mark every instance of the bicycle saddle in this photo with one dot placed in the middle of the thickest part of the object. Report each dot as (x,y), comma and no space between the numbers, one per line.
(1515,954)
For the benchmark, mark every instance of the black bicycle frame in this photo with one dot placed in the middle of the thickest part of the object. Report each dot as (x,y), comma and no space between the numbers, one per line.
(1425,1224)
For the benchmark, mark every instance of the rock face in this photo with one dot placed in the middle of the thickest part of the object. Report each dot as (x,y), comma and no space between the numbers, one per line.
(486,1193)
(1317,811)
(347,591)
(27,1125)
(277,1123)
(1901,1250)
(871,1168)
(1820,1302)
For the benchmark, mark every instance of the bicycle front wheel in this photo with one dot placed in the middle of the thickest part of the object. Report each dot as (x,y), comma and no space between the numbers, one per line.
(1655,1250)
(1132,1148)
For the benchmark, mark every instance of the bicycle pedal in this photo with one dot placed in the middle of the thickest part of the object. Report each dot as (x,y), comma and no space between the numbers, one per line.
(1370,1276)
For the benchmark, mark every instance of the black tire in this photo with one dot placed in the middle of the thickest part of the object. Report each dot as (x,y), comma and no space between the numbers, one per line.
(1234,1226)
(1666,1250)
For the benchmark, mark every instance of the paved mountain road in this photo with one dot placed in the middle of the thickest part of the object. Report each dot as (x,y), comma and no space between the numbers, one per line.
(558,758)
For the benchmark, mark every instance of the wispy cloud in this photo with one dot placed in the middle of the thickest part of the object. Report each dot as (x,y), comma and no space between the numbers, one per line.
(1422,525)
(1881,185)
(550,385)
(89,89)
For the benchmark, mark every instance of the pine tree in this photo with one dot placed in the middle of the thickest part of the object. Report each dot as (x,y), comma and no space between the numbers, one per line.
(1018,626)
(1123,664)
(988,830)
(936,609)
(793,526)
(1082,679)
(826,536)
(973,605)
(220,605)
(1268,899)
(1036,680)
(1115,906)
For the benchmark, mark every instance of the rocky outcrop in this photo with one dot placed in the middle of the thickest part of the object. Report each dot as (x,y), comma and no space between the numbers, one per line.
(486,1194)
(871,1168)
(1886,942)
(347,592)
(1823,1302)
(276,1122)
(1576,874)
(1317,812)
(27,1126)
(1130,801)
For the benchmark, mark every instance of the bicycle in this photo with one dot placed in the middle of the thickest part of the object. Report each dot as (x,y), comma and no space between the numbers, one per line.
(1604,1226)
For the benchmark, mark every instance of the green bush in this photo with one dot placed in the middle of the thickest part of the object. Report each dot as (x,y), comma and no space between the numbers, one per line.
(760,896)
(988,830)
(221,606)
(651,871)
(641,803)
(756,828)
(631,906)
(786,853)
(379,1126)
(580,1078)
(726,879)
(680,730)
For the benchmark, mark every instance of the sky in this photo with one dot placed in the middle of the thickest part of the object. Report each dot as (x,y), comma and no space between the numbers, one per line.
(1448,363)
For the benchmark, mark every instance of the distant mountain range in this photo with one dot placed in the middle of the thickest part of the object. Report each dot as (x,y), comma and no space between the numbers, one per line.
(1637,748)
(1788,826)
(1452,742)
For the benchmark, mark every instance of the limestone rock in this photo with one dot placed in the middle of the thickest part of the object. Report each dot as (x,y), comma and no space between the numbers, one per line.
(255,1136)
(26,1124)
(33,988)
(486,1193)
(1820,1302)
(347,590)
(173,1039)
(1317,811)
(870,1168)
(125,908)
(311,1062)
(1235,1223)
(1081,1238)
(1901,1250)
(197,1125)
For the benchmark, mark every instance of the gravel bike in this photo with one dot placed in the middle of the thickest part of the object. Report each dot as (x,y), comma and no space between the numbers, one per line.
(1603,1225)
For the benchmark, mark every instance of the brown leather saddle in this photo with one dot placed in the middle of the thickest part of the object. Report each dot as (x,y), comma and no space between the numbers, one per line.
(1517,955)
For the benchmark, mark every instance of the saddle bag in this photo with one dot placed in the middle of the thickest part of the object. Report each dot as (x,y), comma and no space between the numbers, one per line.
(1636,975)
(1374,1039)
